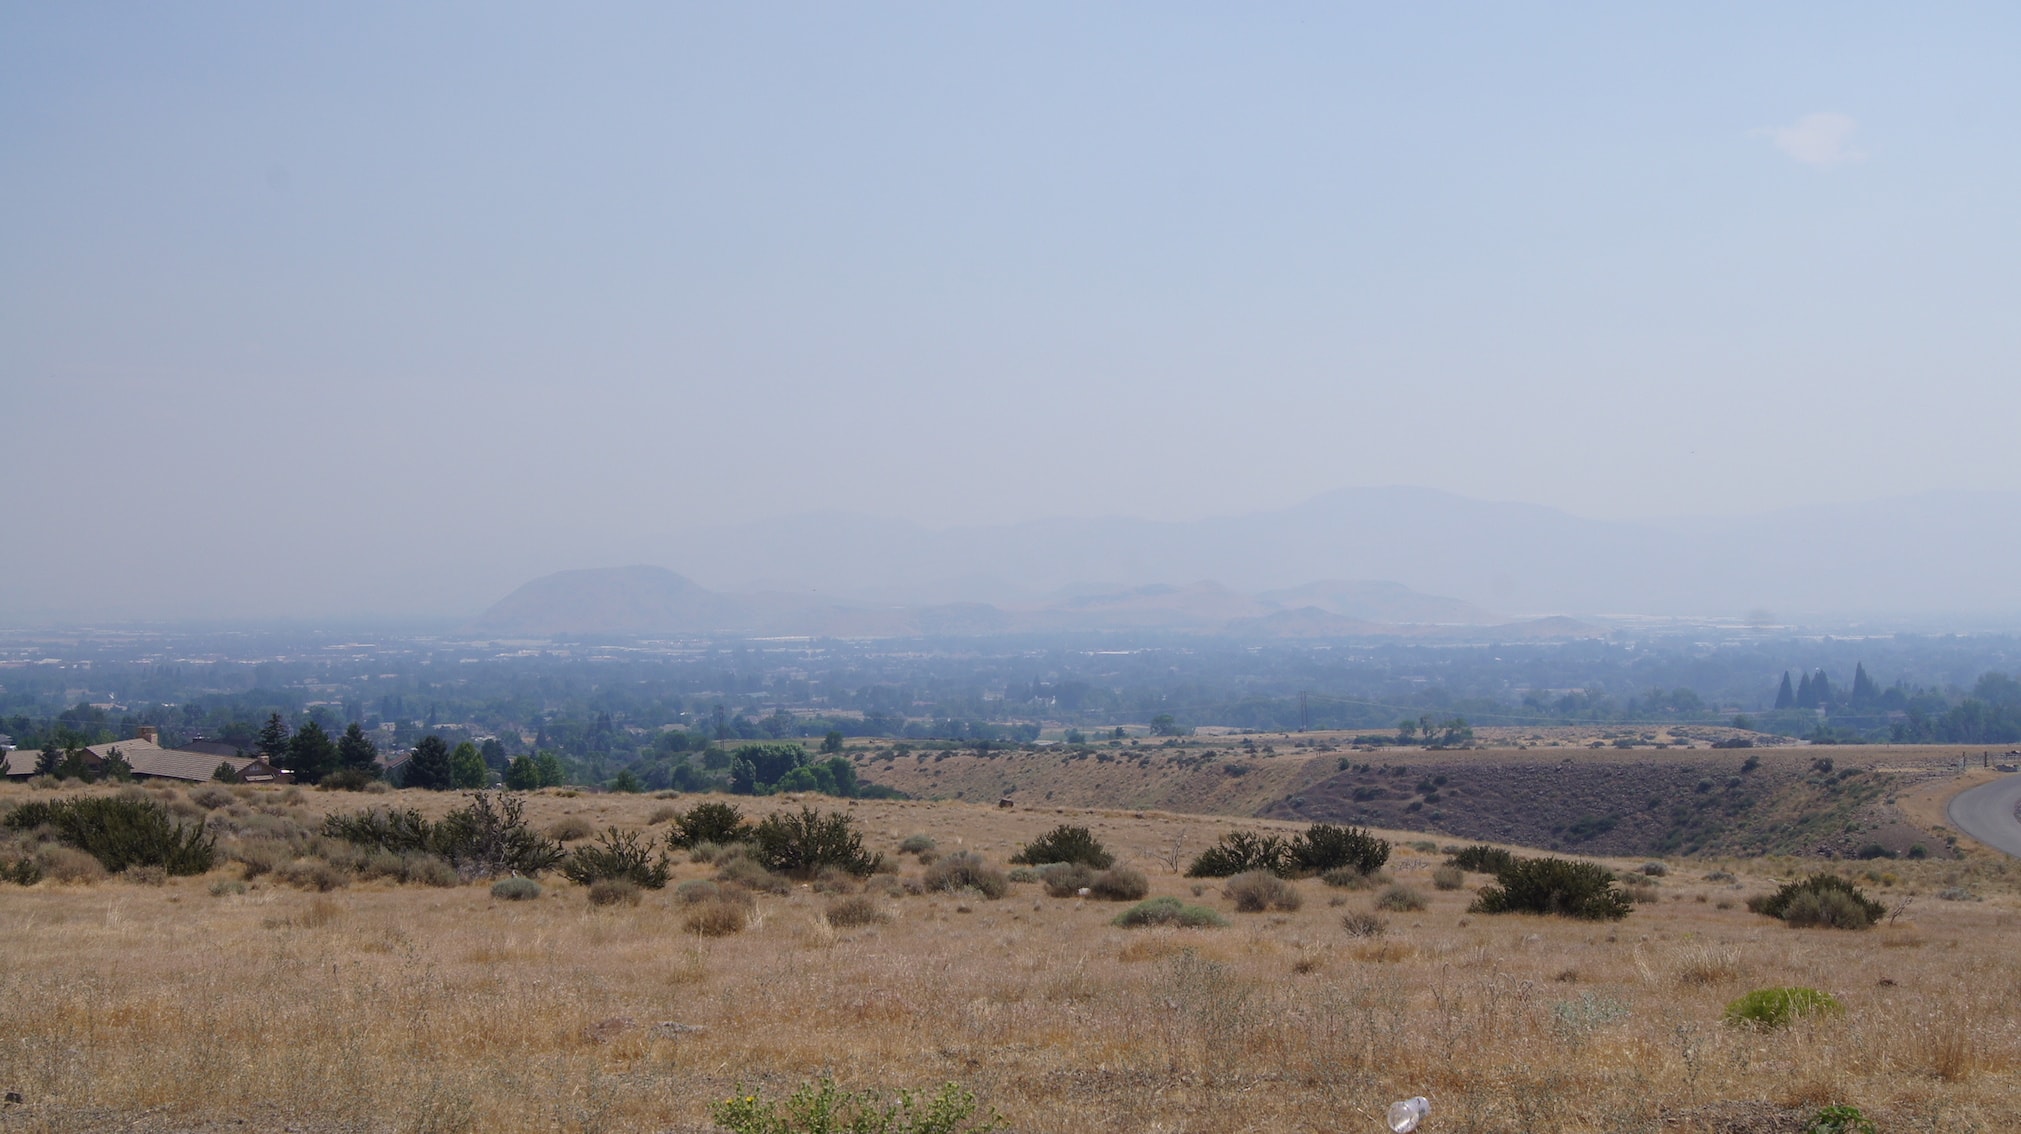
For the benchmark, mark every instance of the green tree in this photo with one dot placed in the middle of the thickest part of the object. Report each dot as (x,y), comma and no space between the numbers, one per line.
(467,768)
(743,777)
(522,774)
(311,754)
(116,767)
(552,774)
(493,752)
(50,760)
(356,751)
(832,742)
(844,774)
(627,782)
(1164,724)
(1865,692)
(429,767)
(1806,695)
(1785,697)
(274,740)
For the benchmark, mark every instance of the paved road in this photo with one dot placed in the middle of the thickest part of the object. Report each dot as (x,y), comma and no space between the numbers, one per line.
(1986,813)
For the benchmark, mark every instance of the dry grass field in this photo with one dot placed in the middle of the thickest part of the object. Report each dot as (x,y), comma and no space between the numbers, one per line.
(191,1006)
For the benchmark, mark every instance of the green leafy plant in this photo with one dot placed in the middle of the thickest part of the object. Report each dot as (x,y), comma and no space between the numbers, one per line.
(1168,911)
(708,823)
(120,832)
(1554,886)
(490,837)
(1820,900)
(1482,859)
(803,843)
(1325,846)
(1241,851)
(1066,844)
(617,855)
(1840,1120)
(821,1107)
(1771,1008)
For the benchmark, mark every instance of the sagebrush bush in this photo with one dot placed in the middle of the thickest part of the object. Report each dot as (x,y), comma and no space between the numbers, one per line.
(913,844)
(858,910)
(1820,900)
(747,873)
(1255,891)
(570,828)
(1066,879)
(1325,846)
(662,814)
(1119,884)
(313,874)
(711,822)
(1168,911)
(802,843)
(1066,843)
(68,865)
(966,870)
(1361,923)
(1348,878)
(1446,876)
(696,890)
(720,916)
(1770,1008)
(1398,898)
(1483,859)
(485,839)
(1553,886)
(121,831)
(515,889)
(617,854)
(1239,852)
(612,891)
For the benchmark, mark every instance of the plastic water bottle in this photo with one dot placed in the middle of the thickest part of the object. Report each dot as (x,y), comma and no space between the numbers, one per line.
(1404,1116)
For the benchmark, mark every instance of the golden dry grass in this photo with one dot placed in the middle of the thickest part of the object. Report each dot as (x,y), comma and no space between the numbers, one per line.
(407,1008)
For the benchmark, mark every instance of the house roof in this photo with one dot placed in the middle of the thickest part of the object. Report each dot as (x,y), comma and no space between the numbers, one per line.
(146,759)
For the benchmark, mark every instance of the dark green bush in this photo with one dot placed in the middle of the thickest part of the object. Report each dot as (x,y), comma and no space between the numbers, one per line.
(617,854)
(1822,900)
(1554,886)
(120,832)
(383,829)
(708,823)
(1241,851)
(1168,911)
(804,843)
(1482,859)
(1066,844)
(1325,847)
(490,838)
(1840,1120)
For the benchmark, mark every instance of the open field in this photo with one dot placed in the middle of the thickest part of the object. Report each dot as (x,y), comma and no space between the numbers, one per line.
(380,1006)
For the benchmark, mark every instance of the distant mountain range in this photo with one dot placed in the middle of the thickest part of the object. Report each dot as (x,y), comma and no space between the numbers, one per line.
(651,601)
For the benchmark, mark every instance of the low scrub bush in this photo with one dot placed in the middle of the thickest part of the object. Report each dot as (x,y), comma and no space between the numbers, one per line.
(749,875)
(69,865)
(1168,911)
(834,880)
(1239,852)
(914,844)
(570,828)
(617,854)
(821,1107)
(23,871)
(1348,878)
(1398,898)
(613,891)
(515,889)
(1325,847)
(226,887)
(720,916)
(966,870)
(1361,923)
(1483,859)
(662,814)
(717,823)
(858,910)
(1066,844)
(800,844)
(121,831)
(1824,900)
(1255,891)
(488,838)
(1119,884)
(1553,886)
(313,874)
(696,890)
(1770,1008)
(1446,876)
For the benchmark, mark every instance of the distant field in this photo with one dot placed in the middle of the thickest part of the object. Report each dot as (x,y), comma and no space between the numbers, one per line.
(379,1006)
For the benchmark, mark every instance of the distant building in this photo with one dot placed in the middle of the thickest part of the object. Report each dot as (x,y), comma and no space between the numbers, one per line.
(150,761)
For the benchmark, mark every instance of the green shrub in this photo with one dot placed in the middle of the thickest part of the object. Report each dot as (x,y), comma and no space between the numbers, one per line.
(1776,1007)
(617,854)
(1820,900)
(383,828)
(1553,886)
(1325,847)
(490,837)
(914,844)
(823,1108)
(708,823)
(120,832)
(1483,859)
(1239,852)
(1840,1120)
(966,870)
(23,871)
(1168,911)
(1446,876)
(800,844)
(1066,844)
(1255,891)
(515,889)
(1399,898)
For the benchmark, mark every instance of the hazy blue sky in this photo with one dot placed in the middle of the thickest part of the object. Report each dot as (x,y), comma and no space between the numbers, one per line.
(473,277)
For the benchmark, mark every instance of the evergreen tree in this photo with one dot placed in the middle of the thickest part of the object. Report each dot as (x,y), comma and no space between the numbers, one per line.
(274,741)
(1785,697)
(522,774)
(1806,697)
(1821,688)
(311,754)
(116,767)
(493,753)
(466,767)
(429,766)
(1865,692)
(50,760)
(552,774)
(356,751)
